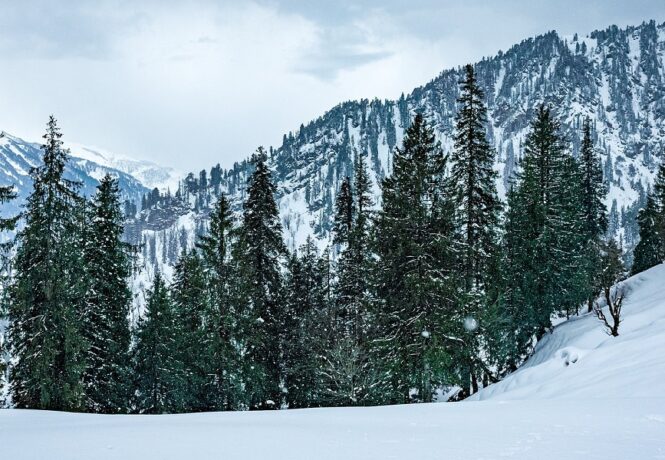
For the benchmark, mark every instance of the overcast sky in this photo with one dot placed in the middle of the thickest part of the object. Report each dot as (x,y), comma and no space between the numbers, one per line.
(191,84)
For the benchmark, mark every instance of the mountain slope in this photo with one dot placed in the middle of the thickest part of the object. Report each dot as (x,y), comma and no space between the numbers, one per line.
(607,404)
(18,156)
(614,76)
(578,360)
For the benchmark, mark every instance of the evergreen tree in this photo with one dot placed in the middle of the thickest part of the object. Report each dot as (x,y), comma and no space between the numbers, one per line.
(7,194)
(474,182)
(219,328)
(416,319)
(650,250)
(343,219)
(258,253)
(48,291)
(543,247)
(305,307)
(344,375)
(478,205)
(191,300)
(595,213)
(157,368)
(108,267)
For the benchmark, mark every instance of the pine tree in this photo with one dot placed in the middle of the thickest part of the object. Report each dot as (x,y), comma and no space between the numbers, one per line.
(259,253)
(7,194)
(108,301)
(190,296)
(343,219)
(416,320)
(474,182)
(306,305)
(543,248)
(219,328)
(595,213)
(48,291)
(650,250)
(478,205)
(157,368)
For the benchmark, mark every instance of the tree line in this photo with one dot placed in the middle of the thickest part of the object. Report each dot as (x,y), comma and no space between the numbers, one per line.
(440,287)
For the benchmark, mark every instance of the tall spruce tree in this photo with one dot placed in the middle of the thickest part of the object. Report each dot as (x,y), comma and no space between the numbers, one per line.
(48,291)
(7,224)
(191,299)
(595,213)
(158,370)
(222,387)
(345,375)
(418,324)
(259,254)
(474,182)
(543,245)
(650,251)
(108,300)
(306,304)
(478,205)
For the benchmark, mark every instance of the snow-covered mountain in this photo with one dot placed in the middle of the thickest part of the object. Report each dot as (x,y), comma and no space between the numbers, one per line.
(18,156)
(614,76)
(582,395)
(149,174)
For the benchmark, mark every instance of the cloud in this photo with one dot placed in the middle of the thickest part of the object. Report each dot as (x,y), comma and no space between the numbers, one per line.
(194,83)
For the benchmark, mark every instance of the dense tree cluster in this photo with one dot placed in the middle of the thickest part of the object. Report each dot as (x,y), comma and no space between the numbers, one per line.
(438,287)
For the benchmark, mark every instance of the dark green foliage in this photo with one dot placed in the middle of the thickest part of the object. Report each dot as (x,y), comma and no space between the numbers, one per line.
(48,290)
(191,299)
(258,254)
(650,250)
(474,182)
(220,326)
(306,307)
(543,264)
(6,225)
(158,371)
(108,300)
(593,191)
(344,212)
(416,318)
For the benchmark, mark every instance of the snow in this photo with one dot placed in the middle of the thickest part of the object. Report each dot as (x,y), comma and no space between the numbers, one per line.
(583,395)
(579,361)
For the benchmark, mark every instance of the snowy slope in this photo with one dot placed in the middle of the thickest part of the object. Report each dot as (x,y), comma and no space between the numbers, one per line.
(18,156)
(609,404)
(149,174)
(579,361)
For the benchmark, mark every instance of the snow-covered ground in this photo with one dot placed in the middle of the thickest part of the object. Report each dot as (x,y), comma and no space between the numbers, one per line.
(583,395)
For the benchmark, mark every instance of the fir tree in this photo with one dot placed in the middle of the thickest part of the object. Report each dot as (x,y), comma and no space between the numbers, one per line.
(108,267)
(7,194)
(48,291)
(157,368)
(650,250)
(595,214)
(543,247)
(474,182)
(259,254)
(306,305)
(219,328)
(191,299)
(415,316)
(343,219)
